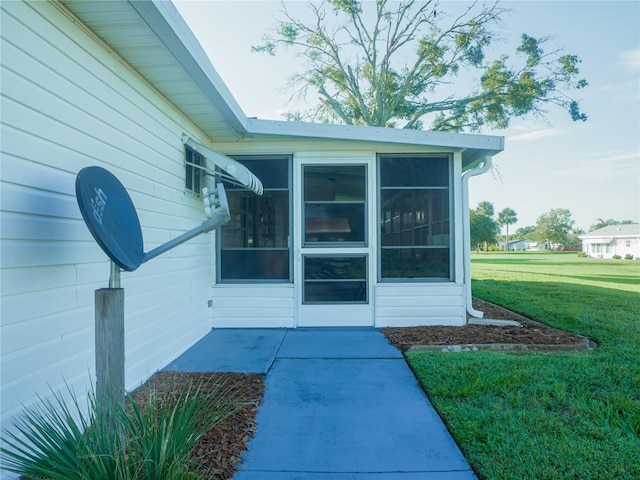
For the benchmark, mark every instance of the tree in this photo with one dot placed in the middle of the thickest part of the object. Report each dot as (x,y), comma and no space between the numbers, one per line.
(391,67)
(524,233)
(554,227)
(605,223)
(483,228)
(574,238)
(485,208)
(507,217)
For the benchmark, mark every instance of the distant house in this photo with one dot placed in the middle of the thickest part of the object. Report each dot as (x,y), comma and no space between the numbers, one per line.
(535,246)
(357,226)
(613,240)
(519,245)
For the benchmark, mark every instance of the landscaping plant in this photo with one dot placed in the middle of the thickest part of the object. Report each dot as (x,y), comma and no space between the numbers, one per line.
(56,439)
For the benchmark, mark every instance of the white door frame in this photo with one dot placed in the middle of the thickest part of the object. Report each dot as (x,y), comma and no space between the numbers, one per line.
(339,314)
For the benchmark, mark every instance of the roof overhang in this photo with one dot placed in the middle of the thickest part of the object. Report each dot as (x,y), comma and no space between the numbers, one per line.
(613,232)
(473,147)
(154,39)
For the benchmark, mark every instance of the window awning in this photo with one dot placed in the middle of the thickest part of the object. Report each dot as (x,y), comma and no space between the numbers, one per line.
(235,171)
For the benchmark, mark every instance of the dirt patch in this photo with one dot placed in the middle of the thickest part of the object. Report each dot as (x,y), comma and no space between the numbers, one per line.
(531,332)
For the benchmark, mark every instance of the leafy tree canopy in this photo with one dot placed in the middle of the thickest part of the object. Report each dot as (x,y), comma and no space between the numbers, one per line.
(524,233)
(392,64)
(554,227)
(485,208)
(483,228)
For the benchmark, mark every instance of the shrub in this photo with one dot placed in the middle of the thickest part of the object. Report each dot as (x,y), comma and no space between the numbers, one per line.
(617,257)
(582,254)
(59,441)
(151,441)
(628,256)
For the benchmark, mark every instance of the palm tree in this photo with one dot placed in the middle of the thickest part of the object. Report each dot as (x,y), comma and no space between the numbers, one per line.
(507,217)
(603,223)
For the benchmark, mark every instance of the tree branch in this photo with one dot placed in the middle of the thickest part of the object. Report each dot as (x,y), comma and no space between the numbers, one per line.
(358,68)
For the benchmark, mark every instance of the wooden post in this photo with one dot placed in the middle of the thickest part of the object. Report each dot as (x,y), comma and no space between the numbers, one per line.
(110,345)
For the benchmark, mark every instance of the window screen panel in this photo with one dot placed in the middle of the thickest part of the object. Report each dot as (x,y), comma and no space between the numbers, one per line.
(254,245)
(414,214)
(414,217)
(414,172)
(413,263)
(254,264)
(257,221)
(335,279)
(334,222)
(335,204)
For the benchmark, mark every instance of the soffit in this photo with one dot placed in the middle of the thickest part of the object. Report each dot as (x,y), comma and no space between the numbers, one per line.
(155,41)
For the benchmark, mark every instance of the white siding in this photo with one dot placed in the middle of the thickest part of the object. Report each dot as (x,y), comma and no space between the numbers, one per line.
(628,246)
(69,102)
(402,304)
(607,247)
(254,306)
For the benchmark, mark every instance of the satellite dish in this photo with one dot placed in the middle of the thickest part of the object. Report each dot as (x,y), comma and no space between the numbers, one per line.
(110,216)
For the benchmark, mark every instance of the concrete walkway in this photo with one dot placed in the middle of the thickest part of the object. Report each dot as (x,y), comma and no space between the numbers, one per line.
(340,404)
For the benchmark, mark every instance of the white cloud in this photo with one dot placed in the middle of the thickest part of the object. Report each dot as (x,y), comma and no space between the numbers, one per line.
(629,157)
(534,135)
(624,165)
(630,59)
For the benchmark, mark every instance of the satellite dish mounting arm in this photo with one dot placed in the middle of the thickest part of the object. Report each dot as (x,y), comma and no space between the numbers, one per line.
(216,208)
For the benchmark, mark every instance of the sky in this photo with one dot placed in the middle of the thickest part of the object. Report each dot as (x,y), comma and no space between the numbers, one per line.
(590,168)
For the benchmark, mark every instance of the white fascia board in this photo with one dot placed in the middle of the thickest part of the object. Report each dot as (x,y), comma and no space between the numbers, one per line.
(458,141)
(169,26)
(607,238)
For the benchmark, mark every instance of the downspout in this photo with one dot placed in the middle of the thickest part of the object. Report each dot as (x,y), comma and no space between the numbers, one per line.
(485,165)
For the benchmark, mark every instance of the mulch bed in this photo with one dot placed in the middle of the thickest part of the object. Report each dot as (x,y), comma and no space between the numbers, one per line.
(531,333)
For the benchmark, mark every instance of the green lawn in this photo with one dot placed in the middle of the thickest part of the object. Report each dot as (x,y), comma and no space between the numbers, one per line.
(548,416)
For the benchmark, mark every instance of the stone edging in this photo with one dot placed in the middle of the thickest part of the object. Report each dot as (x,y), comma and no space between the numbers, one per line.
(586,344)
